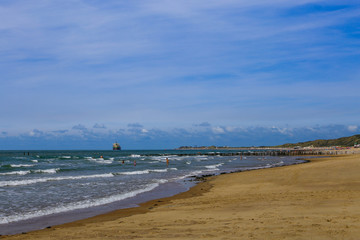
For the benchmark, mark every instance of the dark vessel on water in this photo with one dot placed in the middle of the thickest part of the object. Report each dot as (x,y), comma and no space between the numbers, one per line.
(116,146)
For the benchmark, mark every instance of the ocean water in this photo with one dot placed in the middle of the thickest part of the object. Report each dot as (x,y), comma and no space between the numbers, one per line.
(37,184)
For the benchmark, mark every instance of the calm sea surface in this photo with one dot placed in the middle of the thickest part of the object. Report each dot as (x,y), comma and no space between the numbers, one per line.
(43,183)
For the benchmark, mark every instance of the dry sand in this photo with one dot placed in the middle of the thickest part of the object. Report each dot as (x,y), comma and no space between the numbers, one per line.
(316,200)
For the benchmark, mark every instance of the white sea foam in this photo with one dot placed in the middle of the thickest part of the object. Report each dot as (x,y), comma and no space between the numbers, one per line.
(78,205)
(16,173)
(20,165)
(163,158)
(41,180)
(65,157)
(214,166)
(135,155)
(157,158)
(102,161)
(212,169)
(146,171)
(134,172)
(279,163)
(35,160)
(99,160)
(162,180)
(194,173)
(159,170)
(201,158)
(53,170)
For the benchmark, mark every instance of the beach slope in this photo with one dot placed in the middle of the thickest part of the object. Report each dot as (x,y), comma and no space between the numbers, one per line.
(316,200)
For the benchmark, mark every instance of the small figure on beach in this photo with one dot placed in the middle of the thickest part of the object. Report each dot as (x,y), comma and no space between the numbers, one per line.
(123,161)
(167,162)
(134,162)
(101,156)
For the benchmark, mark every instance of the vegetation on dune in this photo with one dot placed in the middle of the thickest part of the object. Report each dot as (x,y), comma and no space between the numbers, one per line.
(341,142)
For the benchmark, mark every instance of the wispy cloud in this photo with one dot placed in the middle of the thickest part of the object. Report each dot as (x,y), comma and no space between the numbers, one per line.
(80,127)
(135,125)
(203,124)
(98,125)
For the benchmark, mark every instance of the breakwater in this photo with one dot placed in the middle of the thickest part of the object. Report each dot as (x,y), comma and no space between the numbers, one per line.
(275,152)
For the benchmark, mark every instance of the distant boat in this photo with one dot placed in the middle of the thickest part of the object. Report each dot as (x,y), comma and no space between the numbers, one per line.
(116,146)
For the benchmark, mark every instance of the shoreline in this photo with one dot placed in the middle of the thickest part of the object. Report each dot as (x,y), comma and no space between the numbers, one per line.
(201,196)
(55,219)
(166,189)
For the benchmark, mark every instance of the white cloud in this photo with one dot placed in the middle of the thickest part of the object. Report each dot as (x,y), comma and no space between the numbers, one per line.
(35,133)
(218,130)
(231,129)
(353,128)
(281,130)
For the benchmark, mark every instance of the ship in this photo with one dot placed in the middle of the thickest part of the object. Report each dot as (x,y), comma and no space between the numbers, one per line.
(116,146)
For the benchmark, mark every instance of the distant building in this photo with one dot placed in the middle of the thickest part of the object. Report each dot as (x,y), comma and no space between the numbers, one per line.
(309,147)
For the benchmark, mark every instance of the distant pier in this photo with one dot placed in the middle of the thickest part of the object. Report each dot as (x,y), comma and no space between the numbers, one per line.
(277,152)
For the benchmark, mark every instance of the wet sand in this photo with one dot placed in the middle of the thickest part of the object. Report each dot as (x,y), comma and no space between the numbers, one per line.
(316,200)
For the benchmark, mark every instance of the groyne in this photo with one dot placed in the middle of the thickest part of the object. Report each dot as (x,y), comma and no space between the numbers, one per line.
(275,152)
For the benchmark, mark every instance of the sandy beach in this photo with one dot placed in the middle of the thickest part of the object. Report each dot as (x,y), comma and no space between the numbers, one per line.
(316,200)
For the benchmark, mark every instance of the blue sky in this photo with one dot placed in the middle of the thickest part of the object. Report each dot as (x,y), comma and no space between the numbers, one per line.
(81,74)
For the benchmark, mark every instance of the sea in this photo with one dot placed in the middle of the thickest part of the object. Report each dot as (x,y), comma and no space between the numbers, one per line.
(39,189)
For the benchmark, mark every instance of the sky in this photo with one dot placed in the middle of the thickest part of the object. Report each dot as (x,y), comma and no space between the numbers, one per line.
(159,74)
